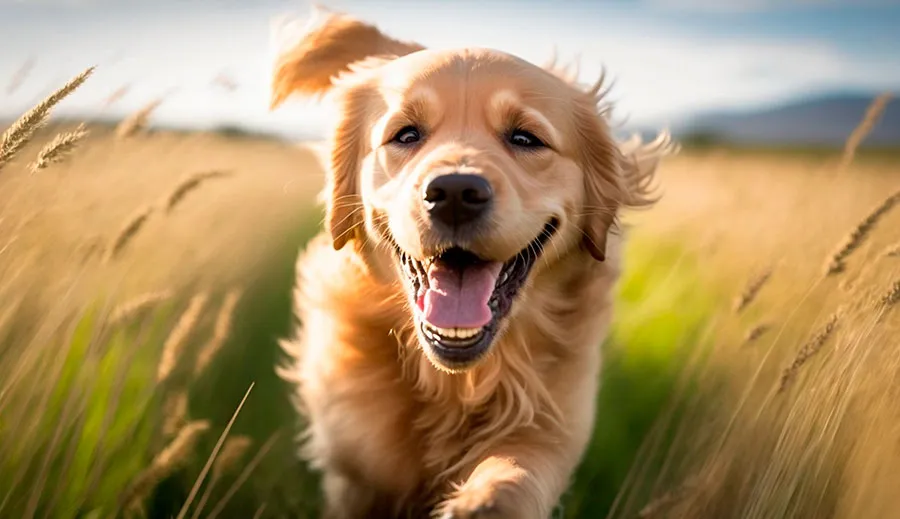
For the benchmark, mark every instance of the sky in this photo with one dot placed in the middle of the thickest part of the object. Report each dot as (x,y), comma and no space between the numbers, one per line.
(669,58)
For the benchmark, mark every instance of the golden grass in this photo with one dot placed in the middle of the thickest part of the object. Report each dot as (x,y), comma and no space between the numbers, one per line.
(136,306)
(212,457)
(220,332)
(58,149)
(137,122)
(128,231)
(22,130)
(116,95)
(892,297)
(177,340)
(20,75)
(232,452)
(751,290)
(753,334)
(837,261)
(165,463)
(809,349)
(188,184)
(870,119)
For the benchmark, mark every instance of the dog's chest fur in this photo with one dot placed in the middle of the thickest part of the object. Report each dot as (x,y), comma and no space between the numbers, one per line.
(377,410)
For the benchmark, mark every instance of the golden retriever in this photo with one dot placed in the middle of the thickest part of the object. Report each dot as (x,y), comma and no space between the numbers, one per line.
(453,309)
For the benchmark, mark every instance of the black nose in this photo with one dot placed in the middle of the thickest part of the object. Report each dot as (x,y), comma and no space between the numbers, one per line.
(457,199)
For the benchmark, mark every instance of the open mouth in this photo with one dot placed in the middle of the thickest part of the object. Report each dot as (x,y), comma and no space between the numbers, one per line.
(461,299)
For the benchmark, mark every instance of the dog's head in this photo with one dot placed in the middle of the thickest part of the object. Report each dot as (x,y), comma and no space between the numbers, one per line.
(465,172)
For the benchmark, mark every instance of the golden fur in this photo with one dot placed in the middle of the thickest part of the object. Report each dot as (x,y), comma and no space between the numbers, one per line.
(396,432)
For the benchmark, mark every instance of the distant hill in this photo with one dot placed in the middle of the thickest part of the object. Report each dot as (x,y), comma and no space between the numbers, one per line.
(824,120)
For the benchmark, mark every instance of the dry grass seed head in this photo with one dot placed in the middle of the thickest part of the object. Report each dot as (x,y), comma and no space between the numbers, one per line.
(172,457)
(137,121)
(220,331)
(19,76)
(812,346)
(59,147)
(128,231)
(871,117)
(20,133)
(116,95)
(178,338)
(232,452)
(756,332)
(175,412)
(751,290)
(837,261)
(892,297)
(190,183)
(137,306)
(893,251)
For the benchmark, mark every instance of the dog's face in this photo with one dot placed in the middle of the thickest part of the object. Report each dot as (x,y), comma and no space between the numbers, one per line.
(461,175)
(470,171)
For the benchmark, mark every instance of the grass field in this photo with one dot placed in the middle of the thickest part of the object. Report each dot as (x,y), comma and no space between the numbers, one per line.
(145,280)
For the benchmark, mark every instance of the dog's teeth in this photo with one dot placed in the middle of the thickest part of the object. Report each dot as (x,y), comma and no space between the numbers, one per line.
(436,332)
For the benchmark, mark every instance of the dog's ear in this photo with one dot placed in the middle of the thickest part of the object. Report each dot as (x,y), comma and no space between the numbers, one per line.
(307,63)
(355,102)
(615,176)
(328,56)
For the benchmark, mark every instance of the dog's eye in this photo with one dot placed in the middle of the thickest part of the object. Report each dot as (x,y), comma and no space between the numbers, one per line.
(407,135)
(525,139)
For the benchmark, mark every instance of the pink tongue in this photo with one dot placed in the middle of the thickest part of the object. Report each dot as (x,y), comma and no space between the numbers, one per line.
(459,299)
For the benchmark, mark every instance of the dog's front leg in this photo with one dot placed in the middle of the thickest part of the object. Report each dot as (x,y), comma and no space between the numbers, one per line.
(522,482)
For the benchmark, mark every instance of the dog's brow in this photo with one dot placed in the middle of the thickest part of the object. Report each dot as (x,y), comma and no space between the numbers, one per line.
(506,101)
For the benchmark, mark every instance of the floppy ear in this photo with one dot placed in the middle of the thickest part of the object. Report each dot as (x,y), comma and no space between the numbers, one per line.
(614,176)
(349,146)
(308,62)
(328,56)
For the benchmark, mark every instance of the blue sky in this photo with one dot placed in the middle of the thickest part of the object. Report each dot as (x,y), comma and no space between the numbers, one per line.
(670,58)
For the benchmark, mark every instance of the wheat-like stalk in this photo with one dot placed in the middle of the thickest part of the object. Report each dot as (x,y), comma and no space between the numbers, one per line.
(177,339)
(59,147)
(19,76)
(892,297)
(244,475)
(837,261)
(20,133)
(175,412)
(116,95)
(128,231)
(220,331)
(748,295)
(893,251)
(232,453)
(212,457)
(188,184)
(812,346)
(871,117)
(137,121)
(756,332)
(137,305)
(172,457)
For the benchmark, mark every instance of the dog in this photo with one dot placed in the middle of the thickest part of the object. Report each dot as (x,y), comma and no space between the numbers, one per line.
(450,315)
